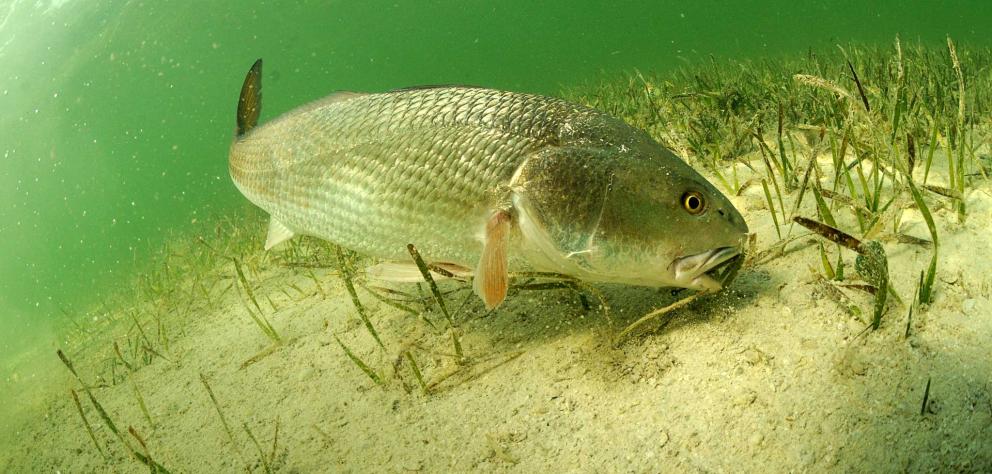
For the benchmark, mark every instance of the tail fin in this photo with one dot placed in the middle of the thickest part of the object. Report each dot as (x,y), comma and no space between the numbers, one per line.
(250,103)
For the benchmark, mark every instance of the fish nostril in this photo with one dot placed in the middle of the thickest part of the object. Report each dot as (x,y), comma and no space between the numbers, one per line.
(721,212)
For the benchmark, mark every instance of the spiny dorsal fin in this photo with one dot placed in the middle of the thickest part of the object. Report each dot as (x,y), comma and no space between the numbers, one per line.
(250,103)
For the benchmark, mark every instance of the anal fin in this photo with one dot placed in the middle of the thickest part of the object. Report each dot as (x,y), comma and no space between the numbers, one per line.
(492,279)
(278,233)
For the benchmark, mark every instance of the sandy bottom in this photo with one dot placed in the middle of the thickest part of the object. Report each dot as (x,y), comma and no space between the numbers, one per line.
(770,375)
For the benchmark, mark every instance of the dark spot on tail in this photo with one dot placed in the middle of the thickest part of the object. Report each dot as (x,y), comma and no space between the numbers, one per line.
(250,102)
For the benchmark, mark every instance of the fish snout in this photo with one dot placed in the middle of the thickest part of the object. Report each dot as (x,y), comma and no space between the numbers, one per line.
(730,215)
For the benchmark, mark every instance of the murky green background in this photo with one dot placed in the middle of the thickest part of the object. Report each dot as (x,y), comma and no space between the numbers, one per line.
(115,116)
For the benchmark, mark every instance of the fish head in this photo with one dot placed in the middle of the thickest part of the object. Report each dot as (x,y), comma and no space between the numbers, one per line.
(641,217)
(670,226)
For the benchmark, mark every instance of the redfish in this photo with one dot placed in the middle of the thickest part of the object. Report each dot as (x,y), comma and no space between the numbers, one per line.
(485,182)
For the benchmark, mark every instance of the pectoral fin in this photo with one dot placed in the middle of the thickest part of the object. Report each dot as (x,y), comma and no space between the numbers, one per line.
(491,277)
(278,233)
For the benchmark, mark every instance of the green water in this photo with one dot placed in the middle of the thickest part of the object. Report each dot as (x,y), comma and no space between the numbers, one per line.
(115,116)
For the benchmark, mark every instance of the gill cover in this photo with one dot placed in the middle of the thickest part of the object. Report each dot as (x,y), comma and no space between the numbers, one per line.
(559,225)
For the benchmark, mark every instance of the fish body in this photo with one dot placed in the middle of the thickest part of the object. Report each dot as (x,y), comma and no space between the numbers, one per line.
(473,175)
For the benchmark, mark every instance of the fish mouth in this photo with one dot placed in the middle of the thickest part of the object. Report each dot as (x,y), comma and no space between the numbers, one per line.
(709,270)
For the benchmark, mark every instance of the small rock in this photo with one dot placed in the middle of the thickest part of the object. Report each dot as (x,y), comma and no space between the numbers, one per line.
(968,305)
(753,356)
(306,374)
(755,439)
(693,440)
(541,409)
(948,277)
(858,366)
(745,399)
(663,439)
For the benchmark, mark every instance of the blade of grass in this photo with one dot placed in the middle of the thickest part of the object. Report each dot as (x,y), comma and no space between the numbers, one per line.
(831,233)
(261,454)
(346,276)
(259,318)
(861,89)
(932,147)
(86,423)
(144,447)
(873,265)
(822,208)
(361,365)
(925,295)
(220,414)
(155,467)
(425,272)
(771,207)
(245,285)
(275,445)
(141,401)
(827,268)
(416,371)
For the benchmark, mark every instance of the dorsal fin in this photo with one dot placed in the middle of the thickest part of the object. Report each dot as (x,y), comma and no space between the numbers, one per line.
(250,102)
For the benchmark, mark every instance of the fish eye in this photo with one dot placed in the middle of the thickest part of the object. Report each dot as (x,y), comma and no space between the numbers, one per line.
(693,202)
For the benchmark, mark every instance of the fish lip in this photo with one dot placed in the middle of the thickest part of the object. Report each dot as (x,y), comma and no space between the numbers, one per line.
(725,272)
(719,256)
(701,271)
